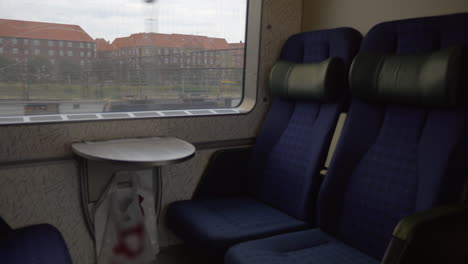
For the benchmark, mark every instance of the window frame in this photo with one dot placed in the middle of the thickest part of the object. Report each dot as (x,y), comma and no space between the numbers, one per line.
(246,105)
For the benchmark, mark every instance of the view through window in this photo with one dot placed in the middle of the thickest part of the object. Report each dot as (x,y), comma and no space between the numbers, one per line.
(87,56)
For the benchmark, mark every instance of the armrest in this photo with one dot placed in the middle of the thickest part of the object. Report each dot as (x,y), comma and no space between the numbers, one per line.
(439,235)
(226,173)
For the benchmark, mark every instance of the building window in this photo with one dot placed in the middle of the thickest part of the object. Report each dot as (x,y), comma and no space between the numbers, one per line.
(26,52)
(15,50)
(1,50)
(1,40)
(122,77)
(14,41)
(26,41)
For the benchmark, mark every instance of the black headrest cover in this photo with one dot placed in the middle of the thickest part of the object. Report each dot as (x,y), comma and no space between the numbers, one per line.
(323,81)
(431,79)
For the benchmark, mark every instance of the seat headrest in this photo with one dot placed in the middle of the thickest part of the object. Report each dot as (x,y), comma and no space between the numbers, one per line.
(429,79)
(323,81)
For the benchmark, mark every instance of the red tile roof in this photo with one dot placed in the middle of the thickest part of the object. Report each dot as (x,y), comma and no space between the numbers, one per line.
(236,45)
(169,40)
(41,30)
(103,45)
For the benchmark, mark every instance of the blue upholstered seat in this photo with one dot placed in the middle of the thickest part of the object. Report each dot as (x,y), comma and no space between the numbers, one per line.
(392,160)
(38,244)
(290,150)
(310,246)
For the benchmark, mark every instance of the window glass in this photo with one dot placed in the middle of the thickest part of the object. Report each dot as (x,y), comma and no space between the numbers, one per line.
(122,55)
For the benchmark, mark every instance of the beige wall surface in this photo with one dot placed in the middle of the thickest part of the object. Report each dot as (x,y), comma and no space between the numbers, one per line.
(363,14)
(32,191)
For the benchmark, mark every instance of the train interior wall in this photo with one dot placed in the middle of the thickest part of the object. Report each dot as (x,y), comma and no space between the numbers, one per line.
(39,175)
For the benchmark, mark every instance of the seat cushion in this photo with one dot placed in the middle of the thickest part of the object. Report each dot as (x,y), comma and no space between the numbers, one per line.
(311,247)
(39,244)
(221,223)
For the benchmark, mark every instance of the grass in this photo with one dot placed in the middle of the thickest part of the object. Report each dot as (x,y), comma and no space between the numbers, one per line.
(17,91)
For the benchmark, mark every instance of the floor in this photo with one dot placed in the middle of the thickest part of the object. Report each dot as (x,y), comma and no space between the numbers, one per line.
(183,255)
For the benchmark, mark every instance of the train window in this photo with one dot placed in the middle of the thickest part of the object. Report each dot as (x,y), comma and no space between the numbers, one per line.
(126,56)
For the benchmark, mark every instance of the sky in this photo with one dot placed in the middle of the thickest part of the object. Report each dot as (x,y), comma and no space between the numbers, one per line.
(110,19)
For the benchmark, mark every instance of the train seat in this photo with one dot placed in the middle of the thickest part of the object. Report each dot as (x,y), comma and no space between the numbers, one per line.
(403,147)
(274,195)
(38,244)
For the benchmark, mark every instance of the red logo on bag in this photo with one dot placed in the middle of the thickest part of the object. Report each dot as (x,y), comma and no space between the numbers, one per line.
(124,246)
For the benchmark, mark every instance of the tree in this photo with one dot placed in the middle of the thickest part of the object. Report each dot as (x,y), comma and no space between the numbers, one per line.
(10,71)
(39,70)
(69,72)
(103,69)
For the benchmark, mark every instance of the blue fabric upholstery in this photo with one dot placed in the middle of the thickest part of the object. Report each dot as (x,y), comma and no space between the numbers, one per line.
(230,220)
(390,162)
(407,159)
(291,146)
(39,244)
(311,247)
(290,150)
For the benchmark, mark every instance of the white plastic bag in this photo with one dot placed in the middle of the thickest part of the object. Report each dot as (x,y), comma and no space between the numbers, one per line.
(122,218)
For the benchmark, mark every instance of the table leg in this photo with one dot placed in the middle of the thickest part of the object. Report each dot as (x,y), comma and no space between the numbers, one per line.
(157,187)
(83,176)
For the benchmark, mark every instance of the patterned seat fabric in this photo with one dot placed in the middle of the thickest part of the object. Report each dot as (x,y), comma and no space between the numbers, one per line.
(391,160)
(283,178)
(311,247)
(38,244)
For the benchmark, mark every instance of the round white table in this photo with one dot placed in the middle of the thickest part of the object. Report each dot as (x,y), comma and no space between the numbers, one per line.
(133,153)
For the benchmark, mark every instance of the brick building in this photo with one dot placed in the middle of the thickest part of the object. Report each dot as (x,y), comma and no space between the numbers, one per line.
(172,58)
(21,40)
(171,50)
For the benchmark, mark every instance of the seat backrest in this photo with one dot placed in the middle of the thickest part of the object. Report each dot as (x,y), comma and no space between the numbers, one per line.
(291,147)
(395,159)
